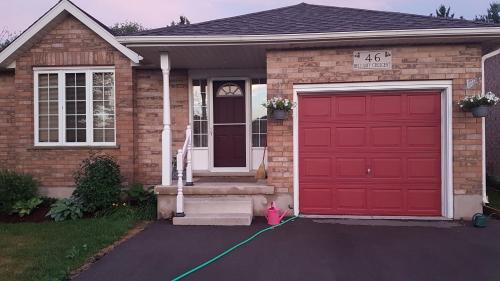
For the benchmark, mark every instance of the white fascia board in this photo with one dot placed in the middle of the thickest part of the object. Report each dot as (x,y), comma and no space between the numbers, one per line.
(484,31)
(82,17)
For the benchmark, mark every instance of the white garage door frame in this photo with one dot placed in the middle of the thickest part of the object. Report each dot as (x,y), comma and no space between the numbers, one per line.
(445,86)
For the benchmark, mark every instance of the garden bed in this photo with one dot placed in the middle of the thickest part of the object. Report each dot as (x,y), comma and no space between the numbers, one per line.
(38,215)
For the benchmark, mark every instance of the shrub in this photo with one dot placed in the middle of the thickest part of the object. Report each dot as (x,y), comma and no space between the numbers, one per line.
(67,208)
(144,200)
(25,207)
(15,187)
(98,182)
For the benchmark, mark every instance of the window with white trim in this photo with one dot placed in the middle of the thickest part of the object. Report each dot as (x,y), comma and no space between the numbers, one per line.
(75,107)
(259,113)
(200,113)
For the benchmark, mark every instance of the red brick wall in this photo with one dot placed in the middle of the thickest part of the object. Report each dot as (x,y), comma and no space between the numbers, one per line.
(70,43)
(149,120)
(7,92)
(457,63)
(492,81)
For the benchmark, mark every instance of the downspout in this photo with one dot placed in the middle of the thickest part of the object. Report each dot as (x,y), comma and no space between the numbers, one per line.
(483,120)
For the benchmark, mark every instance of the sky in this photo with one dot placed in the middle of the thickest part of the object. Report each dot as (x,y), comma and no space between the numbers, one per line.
(17,15)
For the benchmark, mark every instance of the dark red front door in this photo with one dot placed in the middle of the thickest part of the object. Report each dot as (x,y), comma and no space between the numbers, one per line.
(229,124)
(370,153)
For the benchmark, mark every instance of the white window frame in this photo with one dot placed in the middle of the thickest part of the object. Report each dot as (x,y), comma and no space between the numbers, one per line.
(62,105)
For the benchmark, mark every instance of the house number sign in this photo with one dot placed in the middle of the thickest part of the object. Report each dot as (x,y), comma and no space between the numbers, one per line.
(367,60)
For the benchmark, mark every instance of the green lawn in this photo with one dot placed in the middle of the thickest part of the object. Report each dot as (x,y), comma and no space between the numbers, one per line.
(49,251)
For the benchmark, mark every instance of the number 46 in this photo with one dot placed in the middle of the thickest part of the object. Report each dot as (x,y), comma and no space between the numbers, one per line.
(376,57)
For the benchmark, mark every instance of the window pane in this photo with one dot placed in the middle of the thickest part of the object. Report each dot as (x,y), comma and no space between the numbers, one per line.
(70,107)
(259,113)
(109,135)
(43,80)
(81,121)
(48,108)
(108,79)
(70,135)
(70,79)
(70,93)
(81,135)
(43,94)
(200,113)
(98,135)
(70,121)
(98,79)
(97,93)
(43,135)
(103,107)
(81,107)
(80,93)
(80,79)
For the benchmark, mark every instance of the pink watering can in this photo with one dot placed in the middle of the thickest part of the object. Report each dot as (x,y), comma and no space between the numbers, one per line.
(274,215)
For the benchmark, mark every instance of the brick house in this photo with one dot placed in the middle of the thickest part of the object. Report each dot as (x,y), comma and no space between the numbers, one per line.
(376,131)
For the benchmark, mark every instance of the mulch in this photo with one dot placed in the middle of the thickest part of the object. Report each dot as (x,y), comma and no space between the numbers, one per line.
(38,215)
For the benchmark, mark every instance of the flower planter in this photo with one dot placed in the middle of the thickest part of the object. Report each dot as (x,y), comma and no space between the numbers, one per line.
(480,111)
(280,115)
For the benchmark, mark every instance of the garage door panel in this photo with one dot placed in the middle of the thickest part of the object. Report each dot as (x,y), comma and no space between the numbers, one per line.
(351,167)
(424,200)
(350,136)
(387,168)
(316,137)
(424,136)
(315,197)
(386,199)
(395,135)
(316,108)
(349,107)
(386,136)
(424,104)
(424,168)
(351,197)
(383,105)
(315,168)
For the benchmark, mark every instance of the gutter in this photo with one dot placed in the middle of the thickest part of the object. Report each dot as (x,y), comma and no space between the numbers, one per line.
(282,38)
(483,91)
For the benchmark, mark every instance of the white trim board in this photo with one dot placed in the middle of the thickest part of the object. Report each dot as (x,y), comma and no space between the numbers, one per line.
(64,6)
(283,38)
(445,86)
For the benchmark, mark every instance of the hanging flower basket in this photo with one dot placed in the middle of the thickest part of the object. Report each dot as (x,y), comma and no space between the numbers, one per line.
(279,107)
(480,111)
(280,114)
(479,104)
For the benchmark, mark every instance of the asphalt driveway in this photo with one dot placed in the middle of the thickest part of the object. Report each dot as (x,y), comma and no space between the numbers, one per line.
(308,249)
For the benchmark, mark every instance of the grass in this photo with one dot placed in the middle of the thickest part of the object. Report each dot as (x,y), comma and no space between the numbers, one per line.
(49,251)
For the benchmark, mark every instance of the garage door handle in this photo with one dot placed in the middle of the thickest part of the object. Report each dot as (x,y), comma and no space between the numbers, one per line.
(368,171)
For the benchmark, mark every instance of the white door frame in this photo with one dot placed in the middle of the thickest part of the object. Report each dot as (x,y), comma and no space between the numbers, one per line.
(445,86)
(248,125)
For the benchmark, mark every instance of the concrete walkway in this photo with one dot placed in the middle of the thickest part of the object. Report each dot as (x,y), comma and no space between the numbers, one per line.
(308,249)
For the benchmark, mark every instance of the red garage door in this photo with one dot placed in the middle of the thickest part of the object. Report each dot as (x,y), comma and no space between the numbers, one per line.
(370,153)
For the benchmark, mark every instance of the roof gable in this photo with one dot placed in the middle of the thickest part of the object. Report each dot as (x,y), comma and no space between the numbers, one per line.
(7,56)
(307,18)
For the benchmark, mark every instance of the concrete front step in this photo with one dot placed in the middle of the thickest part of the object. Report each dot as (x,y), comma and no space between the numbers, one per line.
(214,219)
(217,205)
(216,211)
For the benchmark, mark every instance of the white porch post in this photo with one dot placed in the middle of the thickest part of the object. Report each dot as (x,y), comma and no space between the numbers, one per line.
(166,136)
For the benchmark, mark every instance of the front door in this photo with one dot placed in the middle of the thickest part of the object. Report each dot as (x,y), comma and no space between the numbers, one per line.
(229,123)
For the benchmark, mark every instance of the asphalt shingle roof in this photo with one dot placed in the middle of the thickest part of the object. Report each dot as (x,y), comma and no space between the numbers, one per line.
(307,18)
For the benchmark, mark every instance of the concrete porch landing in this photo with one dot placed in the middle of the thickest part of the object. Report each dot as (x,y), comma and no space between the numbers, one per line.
(220,201)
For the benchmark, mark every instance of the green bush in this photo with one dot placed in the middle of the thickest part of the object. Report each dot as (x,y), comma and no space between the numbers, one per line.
(15,187)
(67,208)
(25,207)
(98,182)
(144,200)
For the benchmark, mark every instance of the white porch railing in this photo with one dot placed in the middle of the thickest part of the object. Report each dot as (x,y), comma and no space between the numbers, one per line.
(184,154)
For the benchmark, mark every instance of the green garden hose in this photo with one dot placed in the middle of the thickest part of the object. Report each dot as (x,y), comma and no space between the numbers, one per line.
(231,249)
